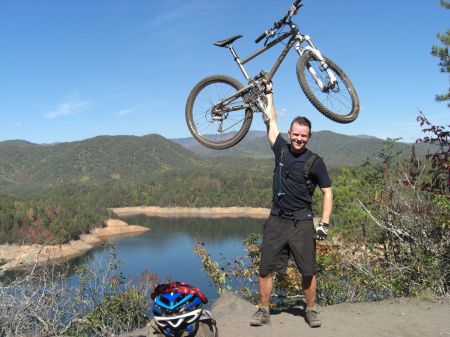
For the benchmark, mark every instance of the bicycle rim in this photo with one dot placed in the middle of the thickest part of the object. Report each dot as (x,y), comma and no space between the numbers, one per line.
(211,129)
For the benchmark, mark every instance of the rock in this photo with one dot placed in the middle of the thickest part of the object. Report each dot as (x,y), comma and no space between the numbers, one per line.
(90,239)
(118,230)
(116,223)
(229,302)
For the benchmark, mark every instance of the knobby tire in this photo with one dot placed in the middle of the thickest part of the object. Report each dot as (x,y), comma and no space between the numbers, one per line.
(334,105)
(199,120)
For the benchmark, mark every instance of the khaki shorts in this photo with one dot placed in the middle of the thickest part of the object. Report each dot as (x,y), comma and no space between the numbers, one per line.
(282,237)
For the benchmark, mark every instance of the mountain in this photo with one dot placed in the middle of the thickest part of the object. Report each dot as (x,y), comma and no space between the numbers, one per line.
(27,167)
(253,145)
(338,150)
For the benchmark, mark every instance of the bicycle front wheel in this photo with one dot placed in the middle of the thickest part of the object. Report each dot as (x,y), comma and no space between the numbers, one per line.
(338,102)
(216,117)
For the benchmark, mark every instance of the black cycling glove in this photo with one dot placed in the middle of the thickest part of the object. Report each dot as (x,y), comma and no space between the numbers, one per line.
(321,231)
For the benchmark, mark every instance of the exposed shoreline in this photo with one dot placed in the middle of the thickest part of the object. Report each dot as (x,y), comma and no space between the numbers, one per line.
(16,257)
(209,212)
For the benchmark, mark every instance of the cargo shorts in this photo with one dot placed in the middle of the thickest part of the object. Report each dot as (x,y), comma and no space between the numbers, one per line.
(282,237)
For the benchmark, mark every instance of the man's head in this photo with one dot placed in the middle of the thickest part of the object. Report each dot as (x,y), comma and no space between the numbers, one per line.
(299,133)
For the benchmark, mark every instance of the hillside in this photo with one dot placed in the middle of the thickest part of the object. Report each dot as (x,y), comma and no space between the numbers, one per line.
(338,150)
(254,145)
(26,167)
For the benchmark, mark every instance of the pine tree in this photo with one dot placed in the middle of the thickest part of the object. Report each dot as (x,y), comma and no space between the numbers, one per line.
(442,53)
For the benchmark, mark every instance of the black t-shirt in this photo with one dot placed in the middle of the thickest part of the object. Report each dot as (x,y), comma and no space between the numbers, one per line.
(290,192)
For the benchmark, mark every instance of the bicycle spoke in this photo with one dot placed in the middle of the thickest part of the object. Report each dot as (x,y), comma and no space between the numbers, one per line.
(217,128)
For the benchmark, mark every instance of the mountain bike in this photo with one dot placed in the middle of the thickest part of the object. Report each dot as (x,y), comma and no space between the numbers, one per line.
(219,109)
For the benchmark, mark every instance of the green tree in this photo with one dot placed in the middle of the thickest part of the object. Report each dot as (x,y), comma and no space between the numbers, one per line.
(442,53)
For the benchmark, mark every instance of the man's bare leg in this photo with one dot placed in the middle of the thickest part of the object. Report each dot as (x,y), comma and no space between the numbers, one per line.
(262,315)
(309,285)
(265,289)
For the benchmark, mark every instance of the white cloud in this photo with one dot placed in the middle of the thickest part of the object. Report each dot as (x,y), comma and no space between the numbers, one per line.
(124,112)
(68,108)
(282,112)
(175,12)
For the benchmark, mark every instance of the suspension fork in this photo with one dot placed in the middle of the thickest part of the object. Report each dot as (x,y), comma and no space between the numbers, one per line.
(323,65)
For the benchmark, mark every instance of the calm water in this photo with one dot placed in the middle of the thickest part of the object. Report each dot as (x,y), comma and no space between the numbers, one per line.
(167,249)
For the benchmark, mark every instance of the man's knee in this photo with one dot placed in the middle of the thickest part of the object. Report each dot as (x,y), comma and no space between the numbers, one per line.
(307,280)
(265,276)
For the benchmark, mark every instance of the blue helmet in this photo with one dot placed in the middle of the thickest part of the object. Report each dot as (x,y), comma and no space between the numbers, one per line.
(177,308)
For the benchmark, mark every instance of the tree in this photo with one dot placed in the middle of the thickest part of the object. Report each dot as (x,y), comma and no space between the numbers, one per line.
(442,53)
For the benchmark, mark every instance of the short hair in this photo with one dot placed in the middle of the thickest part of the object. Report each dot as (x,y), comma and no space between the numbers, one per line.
(301,121)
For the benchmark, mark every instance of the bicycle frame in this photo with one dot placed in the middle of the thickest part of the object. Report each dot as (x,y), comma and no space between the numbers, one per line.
(296,39)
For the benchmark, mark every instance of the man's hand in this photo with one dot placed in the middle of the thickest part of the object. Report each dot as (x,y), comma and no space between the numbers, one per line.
(321,231)
(268,88)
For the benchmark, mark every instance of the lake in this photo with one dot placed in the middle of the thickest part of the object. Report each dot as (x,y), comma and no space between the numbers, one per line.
(167,249)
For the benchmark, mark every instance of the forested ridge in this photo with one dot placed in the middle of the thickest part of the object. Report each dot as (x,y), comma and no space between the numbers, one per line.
(338,150)
(32,169)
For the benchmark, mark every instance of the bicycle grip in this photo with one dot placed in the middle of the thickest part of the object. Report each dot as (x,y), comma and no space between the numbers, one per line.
(262,36)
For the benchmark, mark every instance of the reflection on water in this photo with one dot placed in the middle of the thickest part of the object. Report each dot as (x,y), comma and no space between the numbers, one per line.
(167,249)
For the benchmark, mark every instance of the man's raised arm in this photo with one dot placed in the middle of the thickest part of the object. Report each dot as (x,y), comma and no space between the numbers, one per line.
(272,125)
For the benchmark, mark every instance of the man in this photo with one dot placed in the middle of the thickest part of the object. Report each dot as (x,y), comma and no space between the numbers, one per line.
(290,228)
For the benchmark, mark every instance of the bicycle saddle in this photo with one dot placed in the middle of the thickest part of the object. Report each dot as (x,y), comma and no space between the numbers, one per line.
(228,41)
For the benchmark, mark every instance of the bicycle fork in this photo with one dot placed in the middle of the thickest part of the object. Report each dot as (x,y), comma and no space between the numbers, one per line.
(324,87)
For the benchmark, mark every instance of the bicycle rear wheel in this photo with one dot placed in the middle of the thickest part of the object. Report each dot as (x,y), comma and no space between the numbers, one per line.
(339,103)
(214,124)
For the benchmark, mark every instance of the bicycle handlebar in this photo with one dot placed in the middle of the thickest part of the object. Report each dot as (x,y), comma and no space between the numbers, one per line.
(262,36)
(279,23)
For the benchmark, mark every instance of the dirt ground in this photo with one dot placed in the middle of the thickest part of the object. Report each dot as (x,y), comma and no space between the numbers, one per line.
(391,318)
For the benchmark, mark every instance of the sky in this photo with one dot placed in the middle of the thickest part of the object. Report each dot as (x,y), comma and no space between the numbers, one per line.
(71,70)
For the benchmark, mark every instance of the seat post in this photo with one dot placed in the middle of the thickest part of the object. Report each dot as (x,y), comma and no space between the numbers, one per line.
(238,61)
